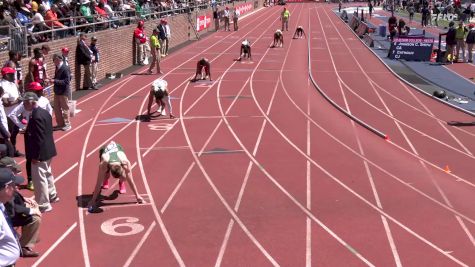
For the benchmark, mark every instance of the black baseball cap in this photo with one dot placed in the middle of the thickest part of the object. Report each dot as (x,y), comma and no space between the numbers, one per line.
(7,177)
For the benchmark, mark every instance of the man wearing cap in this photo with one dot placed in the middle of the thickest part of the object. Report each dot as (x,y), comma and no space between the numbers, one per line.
(141,41)
(10,99)
(470,40)
(95,60)
(84,58)
(20,111)
(65,54)
(226,19)
(165,35)
(14,63)
(9,247)
(159,91)
(62,92)
(40,149)
(24,213)
(4,133)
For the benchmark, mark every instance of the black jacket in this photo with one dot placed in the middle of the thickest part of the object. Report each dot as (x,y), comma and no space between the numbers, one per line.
(162,32)
(83,55)
(450,38)
(62,79)
(17,210)
(39,142)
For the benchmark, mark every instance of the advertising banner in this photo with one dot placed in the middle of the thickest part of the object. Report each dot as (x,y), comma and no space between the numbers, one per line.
(203,22)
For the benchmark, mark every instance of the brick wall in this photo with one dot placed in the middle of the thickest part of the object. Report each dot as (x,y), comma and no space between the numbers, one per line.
(116,45)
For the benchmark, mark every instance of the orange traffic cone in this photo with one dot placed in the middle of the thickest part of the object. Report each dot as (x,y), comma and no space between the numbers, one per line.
(447,169)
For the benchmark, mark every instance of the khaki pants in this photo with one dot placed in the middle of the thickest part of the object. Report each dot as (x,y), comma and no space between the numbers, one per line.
(61,110)
(285,24)
(87,83)
(164,46)
(235,24)
(470,52)
(460,46)
(216,24)
(30,232)
(155,59)
(226,24)
(94,68)
(43,181)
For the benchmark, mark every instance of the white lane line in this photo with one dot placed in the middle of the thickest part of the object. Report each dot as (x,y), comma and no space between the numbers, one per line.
(159,219)
(387,230)
(414,150)
(165,148)
(66,172)
(55,244)
(178,186)
(308,243)
(139,245)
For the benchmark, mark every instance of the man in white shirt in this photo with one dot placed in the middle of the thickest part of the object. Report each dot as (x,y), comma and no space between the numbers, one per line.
(10,100)
(226,19)
(235,19)
(9,246)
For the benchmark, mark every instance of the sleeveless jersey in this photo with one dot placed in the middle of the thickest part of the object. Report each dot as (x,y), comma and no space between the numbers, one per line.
(112,149)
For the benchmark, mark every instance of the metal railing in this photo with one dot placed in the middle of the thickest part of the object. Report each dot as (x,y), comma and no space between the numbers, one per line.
(20,38)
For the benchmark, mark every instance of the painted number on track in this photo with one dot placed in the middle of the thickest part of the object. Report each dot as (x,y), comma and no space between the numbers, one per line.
(160,126)
(122,226)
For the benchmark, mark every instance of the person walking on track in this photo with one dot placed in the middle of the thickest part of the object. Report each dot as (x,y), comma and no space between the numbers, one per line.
(284,17)
(155,51)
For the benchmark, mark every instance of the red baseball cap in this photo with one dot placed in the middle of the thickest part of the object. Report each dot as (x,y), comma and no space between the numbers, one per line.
(35,86)
(65,50)
(7,70)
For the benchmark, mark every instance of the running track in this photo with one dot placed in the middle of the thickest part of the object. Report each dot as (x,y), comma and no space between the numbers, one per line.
(260,170)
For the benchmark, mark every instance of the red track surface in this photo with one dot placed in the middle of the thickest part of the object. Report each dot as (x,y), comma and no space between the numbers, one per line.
(298,183)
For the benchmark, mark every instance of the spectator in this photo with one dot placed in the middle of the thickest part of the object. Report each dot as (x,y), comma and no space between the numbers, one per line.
(216,19)
(65,54)
(226,19)
(392,24)
(38,23)
(62,92)
(84,58)
(235,18)
(164,34)
(85,11)
(155,51)
(450,43)
(40,149)
(4,133)
(460,34)
(95,60)
(470,40)
(52,18)
(411,11)
(24,213)
(10,99)
(141,41)
(9,248)
(14,63)
(436,13)
(20,112)
(36,70)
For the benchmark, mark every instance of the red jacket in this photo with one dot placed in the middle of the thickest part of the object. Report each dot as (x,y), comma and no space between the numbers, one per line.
(140,35)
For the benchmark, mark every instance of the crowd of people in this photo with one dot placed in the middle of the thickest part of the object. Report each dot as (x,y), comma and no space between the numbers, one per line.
(42,20)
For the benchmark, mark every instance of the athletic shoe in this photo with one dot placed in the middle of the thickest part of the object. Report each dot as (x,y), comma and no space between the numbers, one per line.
(47,209)
(122,187)
(105,184)
(18,154)
(28,252)
(66,128)
(30,186)
(54,199)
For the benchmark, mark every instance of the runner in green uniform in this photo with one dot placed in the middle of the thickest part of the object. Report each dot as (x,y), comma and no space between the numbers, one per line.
(113,161)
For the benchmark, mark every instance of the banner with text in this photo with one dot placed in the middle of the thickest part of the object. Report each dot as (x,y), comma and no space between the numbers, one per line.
(244,8)
(203,22)
(418,49)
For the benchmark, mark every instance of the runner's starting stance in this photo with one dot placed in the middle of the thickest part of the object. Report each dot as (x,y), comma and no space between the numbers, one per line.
(113,161)
(159,91)
(278,39)
(245,50)
(299,33)
(203,63)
